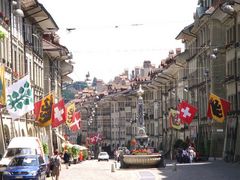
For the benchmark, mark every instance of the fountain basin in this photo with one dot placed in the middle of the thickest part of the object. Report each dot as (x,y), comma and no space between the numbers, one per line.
(142,160)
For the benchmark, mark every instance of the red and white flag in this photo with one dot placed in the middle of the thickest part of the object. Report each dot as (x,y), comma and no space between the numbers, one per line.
(95,138)
(59,116)
(75,125)
(186,112)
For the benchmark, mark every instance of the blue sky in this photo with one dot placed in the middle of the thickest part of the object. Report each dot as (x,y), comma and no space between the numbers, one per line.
(113,35)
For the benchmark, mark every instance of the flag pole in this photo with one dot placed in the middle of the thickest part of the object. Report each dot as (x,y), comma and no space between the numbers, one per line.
(44,95)
(2,131)
(3,101)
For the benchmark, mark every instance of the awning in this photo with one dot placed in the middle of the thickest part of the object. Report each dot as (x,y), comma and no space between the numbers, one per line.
(39,14)
(66,68)
(81,148)
(67,79)
(52,49)
(67,143)
(59,135)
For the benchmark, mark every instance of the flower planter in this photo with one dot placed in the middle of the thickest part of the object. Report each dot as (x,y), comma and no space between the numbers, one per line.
(74,161)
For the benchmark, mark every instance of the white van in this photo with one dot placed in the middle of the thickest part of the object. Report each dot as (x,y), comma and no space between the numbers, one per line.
(22,146)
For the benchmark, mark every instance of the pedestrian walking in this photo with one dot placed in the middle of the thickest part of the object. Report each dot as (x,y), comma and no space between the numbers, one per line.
(80,156)
(66,158)
(192,153)
(55,165)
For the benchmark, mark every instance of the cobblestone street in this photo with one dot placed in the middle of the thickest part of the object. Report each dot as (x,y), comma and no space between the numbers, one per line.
(211,170)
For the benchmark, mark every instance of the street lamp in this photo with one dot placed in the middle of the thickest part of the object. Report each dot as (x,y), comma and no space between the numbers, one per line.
(228,8)
(17,8)
(206,74)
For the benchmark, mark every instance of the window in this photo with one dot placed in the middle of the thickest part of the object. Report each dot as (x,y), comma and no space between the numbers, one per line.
(15,65)
(21,62)
(121,106)
(238,98)
(238,30)
(238,68)
(232,106)
(28,33)
(228,68)
(25,66)
(230,35)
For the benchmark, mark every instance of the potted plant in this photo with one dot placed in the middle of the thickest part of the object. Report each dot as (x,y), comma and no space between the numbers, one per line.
(2,35)
(85,154)
(45,148)
(75,153)
(140,152)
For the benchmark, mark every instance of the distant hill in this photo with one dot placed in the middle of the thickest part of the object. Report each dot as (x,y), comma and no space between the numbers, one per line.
(69,90)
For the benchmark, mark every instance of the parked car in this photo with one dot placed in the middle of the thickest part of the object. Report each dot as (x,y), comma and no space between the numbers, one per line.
(103,156)
(26,167)
(22,146)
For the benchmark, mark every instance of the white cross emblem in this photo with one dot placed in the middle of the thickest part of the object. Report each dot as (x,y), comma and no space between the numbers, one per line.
(186,112)
(92,139)
(98,138)
(76,122)
(58,114)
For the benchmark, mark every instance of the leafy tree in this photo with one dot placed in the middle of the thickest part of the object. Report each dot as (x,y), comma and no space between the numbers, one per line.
(79,85)
(68,95)
(69,90)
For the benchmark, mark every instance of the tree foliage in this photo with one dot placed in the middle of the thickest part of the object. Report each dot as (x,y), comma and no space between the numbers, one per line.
(69,90)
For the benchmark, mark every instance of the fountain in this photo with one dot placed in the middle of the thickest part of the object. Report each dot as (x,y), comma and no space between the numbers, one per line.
(141,156)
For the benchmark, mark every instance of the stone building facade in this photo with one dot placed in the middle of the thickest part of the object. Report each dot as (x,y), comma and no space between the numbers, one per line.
(30,46)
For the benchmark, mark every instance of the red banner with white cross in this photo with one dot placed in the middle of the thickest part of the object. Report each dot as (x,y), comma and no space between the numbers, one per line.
(186,112)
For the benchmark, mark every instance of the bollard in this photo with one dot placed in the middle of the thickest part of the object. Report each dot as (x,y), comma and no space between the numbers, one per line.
(174,166)
(113,168)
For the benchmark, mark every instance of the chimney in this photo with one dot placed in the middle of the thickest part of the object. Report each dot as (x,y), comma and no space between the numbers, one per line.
(178,51)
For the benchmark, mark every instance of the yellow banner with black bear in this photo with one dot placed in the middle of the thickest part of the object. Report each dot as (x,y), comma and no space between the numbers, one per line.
(217,108)
(70,109)
(43,111)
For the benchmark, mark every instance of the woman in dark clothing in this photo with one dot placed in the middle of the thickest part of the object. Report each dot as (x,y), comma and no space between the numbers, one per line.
(66,158)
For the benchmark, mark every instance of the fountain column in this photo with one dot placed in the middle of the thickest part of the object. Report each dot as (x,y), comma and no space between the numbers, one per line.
(141,137)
